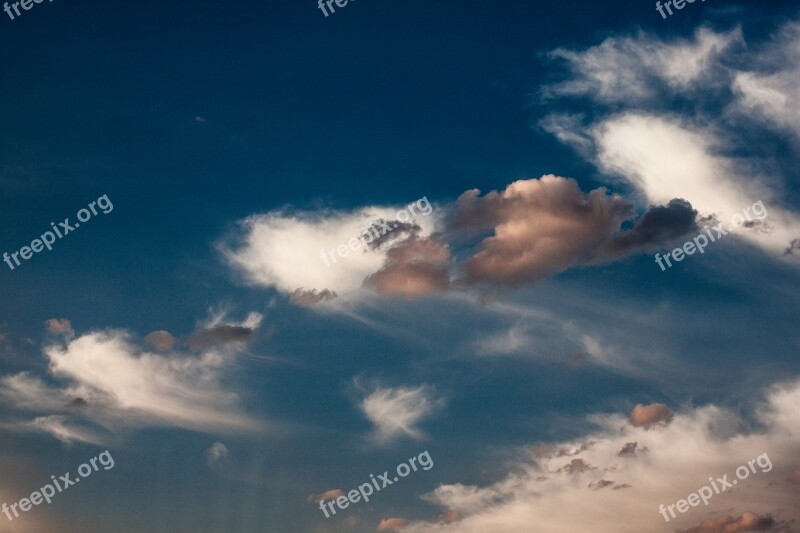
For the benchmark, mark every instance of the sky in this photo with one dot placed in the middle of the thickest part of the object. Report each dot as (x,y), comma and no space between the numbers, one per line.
(508,266)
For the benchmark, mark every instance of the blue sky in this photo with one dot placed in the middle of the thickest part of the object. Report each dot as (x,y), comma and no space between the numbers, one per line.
(510,327)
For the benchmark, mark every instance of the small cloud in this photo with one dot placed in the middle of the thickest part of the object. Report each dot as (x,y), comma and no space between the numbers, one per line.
(216,453)
(450,518)
(310,298)
(396,412)
(64,429)
(647,416)
(199,120)
(392,523)
(658,227)
(219,335)
(59,326)
(161,341)
(576,466)
(597,485)
(629,450)
(727,524)
(542,451)
(331,494)
(78,402)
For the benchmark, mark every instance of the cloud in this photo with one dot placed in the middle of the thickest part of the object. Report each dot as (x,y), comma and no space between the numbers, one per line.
(599,485)
(392,523)
(123,387)
(218,333)
(624,70)
(658,227)
(216,453)
(413,267)
(311,298)
(65,429)
(331,494)
(533,229)
(161,341)
(647,416)
(705,161)
(541,493)
(451,517)
(541,227)
(770,88)
(727,524)
(629,450)
(396,412)
(59,326)
(285,250)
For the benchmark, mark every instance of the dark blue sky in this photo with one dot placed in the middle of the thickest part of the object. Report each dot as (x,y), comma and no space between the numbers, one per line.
(192,116)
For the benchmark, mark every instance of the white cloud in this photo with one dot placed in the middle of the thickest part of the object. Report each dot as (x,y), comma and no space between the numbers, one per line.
(64,429)
(770,88)
(216,453)
(629,69)
(104,380)
(283,251)
(396,412)
(664,159)
(701,158)
(550,492)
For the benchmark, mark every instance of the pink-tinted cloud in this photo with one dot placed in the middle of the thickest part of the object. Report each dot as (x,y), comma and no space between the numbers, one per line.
(647,416)
(310,298)
(160,341)
(541,227)
(451,517)
(727,524)
(58,326)
(392,523)
(414,267)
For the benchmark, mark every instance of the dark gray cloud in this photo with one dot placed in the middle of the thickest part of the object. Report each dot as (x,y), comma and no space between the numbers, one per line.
(629,450)
(794,245)
(603,483)
(658,227)
(398,231)
(310,298)
(217,335)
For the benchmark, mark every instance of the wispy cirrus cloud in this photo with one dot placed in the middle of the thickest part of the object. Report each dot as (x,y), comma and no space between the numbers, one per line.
(398,412)
(100,384)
